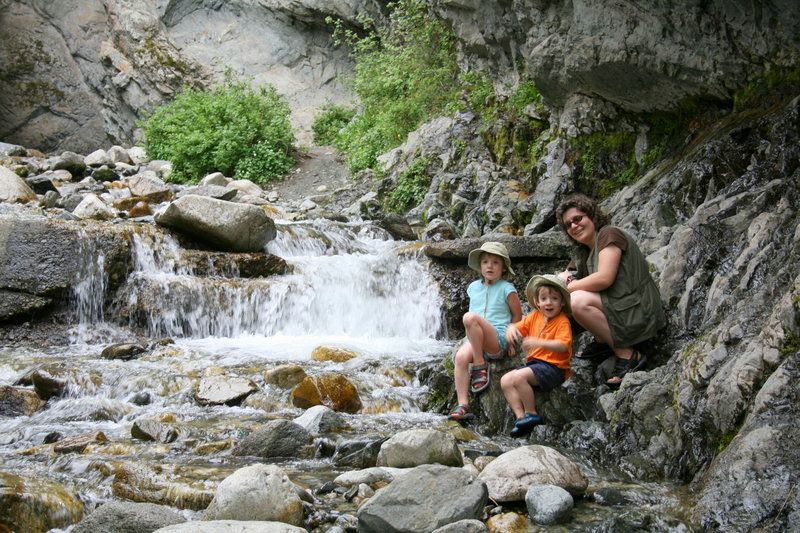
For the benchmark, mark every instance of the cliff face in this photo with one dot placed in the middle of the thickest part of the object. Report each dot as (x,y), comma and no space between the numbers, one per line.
(79,74)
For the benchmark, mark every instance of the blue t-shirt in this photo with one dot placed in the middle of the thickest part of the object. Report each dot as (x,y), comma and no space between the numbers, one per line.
(491,302)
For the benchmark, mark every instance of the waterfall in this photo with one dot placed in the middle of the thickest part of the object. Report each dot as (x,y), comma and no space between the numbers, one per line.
(346,280)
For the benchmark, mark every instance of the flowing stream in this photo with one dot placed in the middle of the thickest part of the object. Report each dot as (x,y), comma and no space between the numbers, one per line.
(349,286)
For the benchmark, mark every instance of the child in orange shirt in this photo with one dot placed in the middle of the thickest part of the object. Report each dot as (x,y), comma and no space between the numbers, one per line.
(546,335)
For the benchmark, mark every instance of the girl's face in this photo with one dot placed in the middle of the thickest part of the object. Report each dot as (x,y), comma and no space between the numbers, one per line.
(549,301)
(579,226)
(492,267)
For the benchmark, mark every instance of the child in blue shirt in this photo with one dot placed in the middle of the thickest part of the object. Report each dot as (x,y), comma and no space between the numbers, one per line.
(493,304)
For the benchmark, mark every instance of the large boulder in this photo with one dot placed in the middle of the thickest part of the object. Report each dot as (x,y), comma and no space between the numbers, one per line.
(509,476)
(13,188)
(129,517)
(276,438)
(256,492)
(223,225)
(426,498)
(329,389)
(416,447)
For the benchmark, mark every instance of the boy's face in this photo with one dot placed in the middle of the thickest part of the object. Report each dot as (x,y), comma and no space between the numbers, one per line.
(492,267)
(549,301)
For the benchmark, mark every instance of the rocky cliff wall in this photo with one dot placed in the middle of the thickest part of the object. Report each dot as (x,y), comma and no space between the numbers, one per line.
(77,74)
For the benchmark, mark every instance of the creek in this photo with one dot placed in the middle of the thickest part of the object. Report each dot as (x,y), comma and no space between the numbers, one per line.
(349,286)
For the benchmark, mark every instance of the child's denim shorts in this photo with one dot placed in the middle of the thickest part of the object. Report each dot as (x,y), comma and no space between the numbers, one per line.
(548,375)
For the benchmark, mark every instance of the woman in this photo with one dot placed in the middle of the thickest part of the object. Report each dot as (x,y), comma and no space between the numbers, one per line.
(613,295)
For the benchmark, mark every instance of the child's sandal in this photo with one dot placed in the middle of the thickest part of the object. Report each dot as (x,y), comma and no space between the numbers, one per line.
(461,412)
(479,378)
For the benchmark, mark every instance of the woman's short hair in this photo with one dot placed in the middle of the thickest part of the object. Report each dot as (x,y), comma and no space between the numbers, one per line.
(584,204)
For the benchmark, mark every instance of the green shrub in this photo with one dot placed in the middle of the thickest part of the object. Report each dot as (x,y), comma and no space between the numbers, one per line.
(234,129)
(405,73)
(412,184)
(329,122)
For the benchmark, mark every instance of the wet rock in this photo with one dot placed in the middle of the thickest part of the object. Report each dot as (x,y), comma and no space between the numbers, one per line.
(416,447)
(13,188)
(69,161)
(78,443)
(509,476)
(224,390)
(232,526)
(257,492)
(424,499)
(15,305)
(320,419)
(11,149)
(511,522)
(151,429)
(209,191)
(276,438)
(123,350)
(331,390)
(548,504)
(608,496)
(36,504)
(129,517)
(92,207)
(53,381)
(229,264)
(358,453)
(148,185)
(398,227)
(140,482)
(224,225)
(40,184)
(465,526)
(215,178)
(369,476)
(98,158)
(140,209)
(16,401)
(104,174)
(285,376)
(438,230)
(337,355)
(247,187)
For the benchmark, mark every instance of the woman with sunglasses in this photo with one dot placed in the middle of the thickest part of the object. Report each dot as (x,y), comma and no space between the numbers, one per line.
(613,295)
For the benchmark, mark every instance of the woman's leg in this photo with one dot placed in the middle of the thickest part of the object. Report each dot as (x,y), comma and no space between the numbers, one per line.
(587,309)
(517,387)
(482,337)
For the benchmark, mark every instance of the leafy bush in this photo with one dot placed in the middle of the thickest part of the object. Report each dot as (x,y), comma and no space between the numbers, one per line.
(234,129)
(412,184)
(329,122)
(405,73)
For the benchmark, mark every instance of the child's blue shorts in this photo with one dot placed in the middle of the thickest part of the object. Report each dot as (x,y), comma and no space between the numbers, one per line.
(548,375)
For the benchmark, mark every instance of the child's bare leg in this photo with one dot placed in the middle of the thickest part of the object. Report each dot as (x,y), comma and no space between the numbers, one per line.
(482,337)
(461,372)
(517,387)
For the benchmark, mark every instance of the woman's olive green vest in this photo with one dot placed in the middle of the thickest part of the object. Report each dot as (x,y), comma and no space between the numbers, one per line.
(632,304)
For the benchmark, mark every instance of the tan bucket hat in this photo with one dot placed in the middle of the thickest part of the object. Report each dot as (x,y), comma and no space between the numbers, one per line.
(553,281)
(496,248)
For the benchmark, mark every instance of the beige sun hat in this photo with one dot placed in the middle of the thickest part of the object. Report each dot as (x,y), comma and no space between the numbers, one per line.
(496,248)
(553,281)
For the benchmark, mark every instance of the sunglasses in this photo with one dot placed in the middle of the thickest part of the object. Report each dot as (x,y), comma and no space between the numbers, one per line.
(574,220)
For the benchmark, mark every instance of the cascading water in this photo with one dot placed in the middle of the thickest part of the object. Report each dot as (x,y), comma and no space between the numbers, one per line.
(347,287)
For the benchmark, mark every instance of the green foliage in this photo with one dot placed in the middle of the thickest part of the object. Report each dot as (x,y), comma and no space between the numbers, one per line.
(607,162)
(788,78)
(233,129)
(790,345)
(405,73)
(412,184)
(329,122)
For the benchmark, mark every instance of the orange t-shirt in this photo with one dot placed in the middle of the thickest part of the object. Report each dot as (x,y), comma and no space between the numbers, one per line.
(558,328)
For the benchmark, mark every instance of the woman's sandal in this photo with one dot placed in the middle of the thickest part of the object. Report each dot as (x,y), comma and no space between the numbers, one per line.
(595,350)
(479,378)
(622,366)
(524,425)
(461,412)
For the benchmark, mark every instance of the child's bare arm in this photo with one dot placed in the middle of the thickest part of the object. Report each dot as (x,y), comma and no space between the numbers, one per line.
(550,345)
(515,306)
(512,336)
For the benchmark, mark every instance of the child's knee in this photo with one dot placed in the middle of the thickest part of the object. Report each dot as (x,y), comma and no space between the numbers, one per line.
(470,319)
